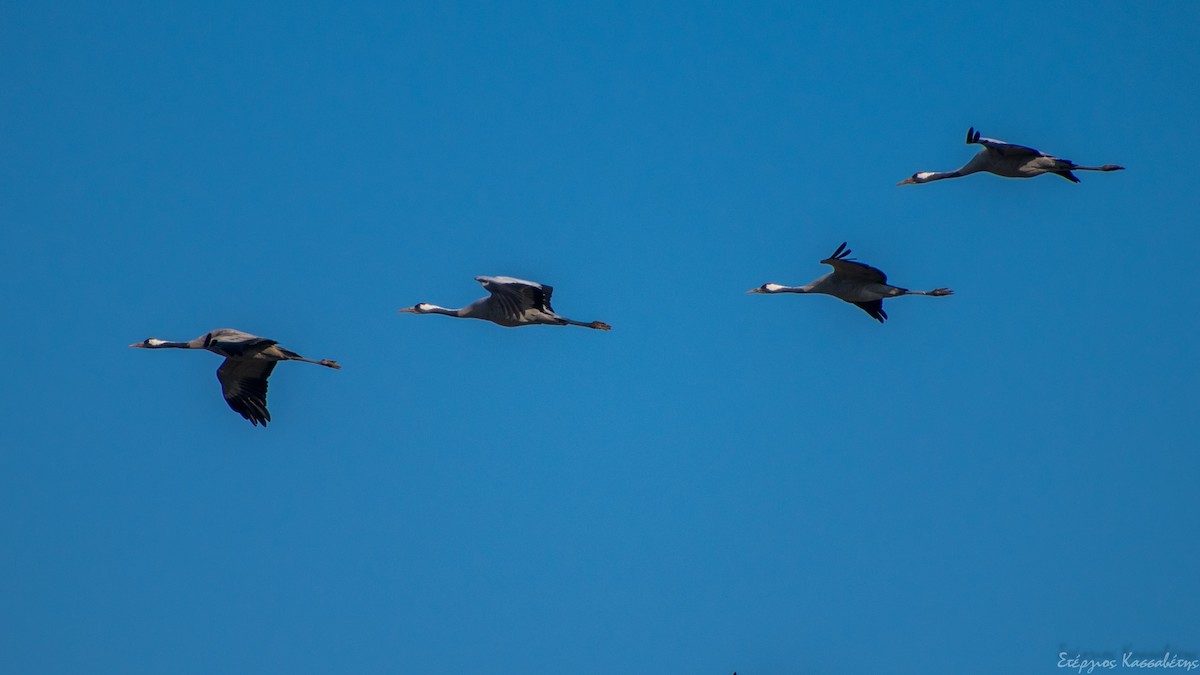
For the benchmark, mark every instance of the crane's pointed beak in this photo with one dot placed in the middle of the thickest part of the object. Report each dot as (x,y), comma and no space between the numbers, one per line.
(138,344)
(755,290)
(407,310)
(907,181)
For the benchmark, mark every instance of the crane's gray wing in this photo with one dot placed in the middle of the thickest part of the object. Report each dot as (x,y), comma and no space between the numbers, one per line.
(235,344)
(1000,147)
(850,270)
(517,296)
(244,384)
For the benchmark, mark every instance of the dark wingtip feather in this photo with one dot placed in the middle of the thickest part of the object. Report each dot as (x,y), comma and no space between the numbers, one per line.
(873,308)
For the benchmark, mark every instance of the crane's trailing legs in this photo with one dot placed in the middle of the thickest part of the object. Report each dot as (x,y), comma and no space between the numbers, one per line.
(598,325)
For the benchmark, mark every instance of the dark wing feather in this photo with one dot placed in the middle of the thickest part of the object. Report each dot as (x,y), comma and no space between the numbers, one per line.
(1001,148)
(535,297)
(517,296)
(855,271)
(875,309)
(544,300)
(510,303)
(244,384)
(847,268)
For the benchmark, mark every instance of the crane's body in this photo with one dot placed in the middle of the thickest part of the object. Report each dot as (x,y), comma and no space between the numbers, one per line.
(249,361)
(1010,161)
(511,303)
(848,290)
(854,282)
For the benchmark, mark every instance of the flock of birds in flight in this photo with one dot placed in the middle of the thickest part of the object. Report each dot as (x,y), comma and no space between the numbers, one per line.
(249,359)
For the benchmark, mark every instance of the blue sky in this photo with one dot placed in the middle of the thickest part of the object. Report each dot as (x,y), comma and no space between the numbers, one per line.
(723,482)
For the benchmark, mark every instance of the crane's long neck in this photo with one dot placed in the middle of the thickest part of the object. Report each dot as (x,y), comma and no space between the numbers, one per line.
(426,308)
(928,176)
(780,288)
(163,344)
(430,308)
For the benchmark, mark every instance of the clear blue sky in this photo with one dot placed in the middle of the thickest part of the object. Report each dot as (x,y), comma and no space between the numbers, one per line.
(723,482)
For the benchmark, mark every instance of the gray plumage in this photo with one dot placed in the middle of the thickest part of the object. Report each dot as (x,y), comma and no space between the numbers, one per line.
(854,282)
(511,303)
(249,361)
(1010,161)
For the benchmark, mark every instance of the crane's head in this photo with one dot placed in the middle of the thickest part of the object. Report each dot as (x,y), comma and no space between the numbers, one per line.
(766,288)
(149,343)
(419,308)
(918,177)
